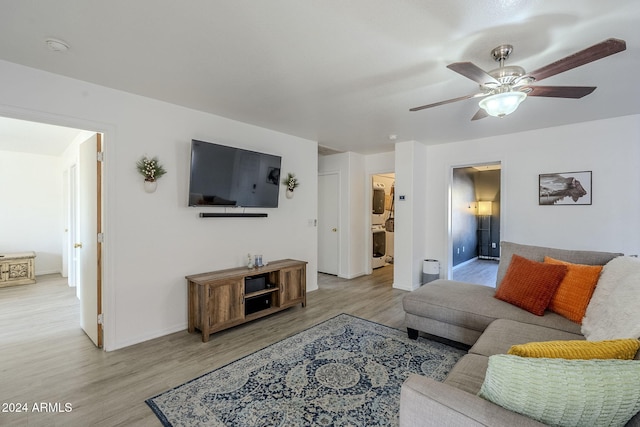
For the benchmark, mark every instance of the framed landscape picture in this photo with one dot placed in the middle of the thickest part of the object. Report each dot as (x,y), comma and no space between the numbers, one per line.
(565,188)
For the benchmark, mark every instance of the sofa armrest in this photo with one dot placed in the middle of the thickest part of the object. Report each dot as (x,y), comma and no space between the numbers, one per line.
(426,402)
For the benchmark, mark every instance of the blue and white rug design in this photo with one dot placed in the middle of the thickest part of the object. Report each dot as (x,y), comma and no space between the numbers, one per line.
(345,371)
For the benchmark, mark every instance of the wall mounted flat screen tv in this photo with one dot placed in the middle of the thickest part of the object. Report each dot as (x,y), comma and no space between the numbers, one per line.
(228,176)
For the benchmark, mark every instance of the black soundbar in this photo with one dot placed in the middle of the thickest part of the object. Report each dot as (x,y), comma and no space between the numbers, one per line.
(232,215)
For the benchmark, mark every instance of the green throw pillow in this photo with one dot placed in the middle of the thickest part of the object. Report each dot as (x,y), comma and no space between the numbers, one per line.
(561,392)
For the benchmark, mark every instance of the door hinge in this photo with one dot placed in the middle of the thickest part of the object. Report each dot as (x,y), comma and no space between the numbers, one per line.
(100,237)
(100,319)
(100,156)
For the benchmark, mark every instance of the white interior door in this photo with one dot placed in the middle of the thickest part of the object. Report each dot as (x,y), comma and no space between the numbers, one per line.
(87,247)
(328,214)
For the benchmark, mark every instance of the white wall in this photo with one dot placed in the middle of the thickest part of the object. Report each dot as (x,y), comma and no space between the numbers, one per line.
(31,213)
(153,240)
(380,163)
(358,203)
(411,214)
(609,148)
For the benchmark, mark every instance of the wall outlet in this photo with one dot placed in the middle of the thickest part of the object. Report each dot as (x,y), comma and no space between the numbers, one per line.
(493,245)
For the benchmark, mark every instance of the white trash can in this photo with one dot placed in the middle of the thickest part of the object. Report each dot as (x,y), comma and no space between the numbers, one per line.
(430,270)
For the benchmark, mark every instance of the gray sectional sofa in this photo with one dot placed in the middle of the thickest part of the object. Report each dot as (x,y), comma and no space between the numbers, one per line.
(469,314)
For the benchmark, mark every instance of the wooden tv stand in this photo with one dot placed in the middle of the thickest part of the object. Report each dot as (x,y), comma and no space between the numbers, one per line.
(217,300)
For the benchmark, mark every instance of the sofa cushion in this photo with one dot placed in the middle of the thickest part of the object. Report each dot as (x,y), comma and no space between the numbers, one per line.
(468,373)
(530,284)
(502,334)
(613,309)
(426,402)
(610,349)
(469,306)
(565,392)
(537,253)
(575,290)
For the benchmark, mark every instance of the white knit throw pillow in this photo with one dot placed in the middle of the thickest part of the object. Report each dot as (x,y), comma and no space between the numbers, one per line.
(614,309)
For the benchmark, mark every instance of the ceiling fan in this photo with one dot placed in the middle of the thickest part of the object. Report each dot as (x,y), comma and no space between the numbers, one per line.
(504,88)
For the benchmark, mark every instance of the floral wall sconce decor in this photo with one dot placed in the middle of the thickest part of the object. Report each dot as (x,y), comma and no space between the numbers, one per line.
(291,182)
(151,170)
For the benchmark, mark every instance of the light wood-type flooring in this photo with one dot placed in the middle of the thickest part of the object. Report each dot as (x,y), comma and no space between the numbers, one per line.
(45,358)
(478,271)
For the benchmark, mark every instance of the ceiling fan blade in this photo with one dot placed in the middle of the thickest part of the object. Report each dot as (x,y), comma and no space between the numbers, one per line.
(590,54)
(574,92)
(473,72)
(480,114)
(448,101)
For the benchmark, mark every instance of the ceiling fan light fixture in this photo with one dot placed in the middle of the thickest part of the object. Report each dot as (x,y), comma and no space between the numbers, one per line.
(502,104)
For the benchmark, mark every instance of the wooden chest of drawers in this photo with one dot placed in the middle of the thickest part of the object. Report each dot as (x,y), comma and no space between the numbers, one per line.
(17,268)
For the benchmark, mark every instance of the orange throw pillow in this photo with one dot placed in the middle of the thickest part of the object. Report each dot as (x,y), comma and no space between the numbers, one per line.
(529,284)
(575,290)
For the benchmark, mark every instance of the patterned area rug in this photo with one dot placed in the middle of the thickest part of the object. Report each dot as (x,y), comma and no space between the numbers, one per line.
(345,371)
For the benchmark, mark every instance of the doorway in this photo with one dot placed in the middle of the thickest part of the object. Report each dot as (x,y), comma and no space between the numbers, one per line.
(382,220)
(55,147)
(475,218)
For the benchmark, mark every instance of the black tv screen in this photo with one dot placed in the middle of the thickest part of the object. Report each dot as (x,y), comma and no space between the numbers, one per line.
(228,176)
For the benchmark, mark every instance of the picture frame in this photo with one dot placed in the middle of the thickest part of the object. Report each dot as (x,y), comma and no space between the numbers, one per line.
(565,188)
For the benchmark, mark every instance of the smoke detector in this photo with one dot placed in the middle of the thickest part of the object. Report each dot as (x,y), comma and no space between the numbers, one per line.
(56,45)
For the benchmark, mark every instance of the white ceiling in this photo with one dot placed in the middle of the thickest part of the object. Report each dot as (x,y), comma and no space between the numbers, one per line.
(343,73)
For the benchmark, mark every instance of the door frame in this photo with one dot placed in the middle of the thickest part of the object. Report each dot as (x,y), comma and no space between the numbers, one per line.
(503,215)
(73,225)
(99,215)
(106,267)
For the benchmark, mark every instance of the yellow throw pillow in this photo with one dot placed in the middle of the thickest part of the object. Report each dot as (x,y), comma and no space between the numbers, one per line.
(578,349)
(575,291)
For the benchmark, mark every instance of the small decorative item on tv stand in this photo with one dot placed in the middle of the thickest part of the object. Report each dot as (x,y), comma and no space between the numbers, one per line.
(258,262)
(255,262)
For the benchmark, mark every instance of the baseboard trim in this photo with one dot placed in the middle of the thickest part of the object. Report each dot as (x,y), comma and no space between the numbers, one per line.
(146,337)
(462,264)
(45,272)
